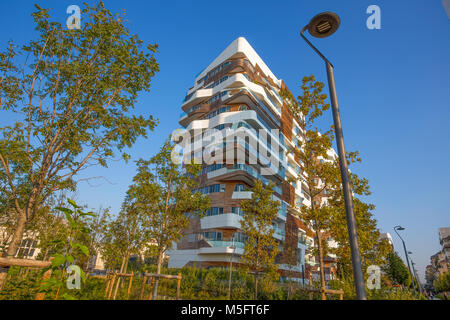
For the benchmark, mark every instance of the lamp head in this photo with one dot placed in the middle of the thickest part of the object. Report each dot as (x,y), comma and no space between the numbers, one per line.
(324,24)
(399,228)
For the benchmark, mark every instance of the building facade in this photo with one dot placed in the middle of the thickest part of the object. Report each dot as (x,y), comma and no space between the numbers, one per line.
(236,104)
(440,261)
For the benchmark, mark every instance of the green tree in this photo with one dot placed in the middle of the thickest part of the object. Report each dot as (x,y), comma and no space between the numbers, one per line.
(324,186)
(261,248)
(96,225)
(396,270)
(442,284)
(72,251)
(124,236)
(164,195)
(314,146)
(73,91)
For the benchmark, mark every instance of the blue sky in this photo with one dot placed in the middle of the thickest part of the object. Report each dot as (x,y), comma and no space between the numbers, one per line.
(393,89)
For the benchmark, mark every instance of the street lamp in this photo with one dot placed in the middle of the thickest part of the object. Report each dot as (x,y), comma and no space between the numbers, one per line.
(400,228)
(321,26)
(233,247)
(419,285)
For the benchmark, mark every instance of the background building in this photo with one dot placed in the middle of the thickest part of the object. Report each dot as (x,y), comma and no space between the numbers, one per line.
(440,261)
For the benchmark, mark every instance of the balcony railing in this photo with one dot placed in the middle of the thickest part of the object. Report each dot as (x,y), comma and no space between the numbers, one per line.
(223,244)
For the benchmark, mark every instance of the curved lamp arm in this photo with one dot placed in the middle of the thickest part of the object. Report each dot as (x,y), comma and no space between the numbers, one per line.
(313,47)
(395,229)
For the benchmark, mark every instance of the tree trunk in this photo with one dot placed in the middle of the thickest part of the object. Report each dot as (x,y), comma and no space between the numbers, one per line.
(14,244)
(17,236)
(158,271)
(322,271)
(123,263)
(125,270)
(256,286)
(45,254)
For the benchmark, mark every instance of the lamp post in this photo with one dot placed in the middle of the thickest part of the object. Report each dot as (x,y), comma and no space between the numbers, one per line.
(233,247)
(400,228)
(321,26)
(419,285)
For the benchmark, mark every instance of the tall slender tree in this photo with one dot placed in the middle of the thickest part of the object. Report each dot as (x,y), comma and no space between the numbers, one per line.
(314,147)
(324,186)
(261,247)
(167,198)
(124,236)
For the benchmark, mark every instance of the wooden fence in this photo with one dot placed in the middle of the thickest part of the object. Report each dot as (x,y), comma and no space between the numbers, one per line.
(10,262)
(152,277)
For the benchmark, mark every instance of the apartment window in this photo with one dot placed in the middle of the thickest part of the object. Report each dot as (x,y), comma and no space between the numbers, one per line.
(249,64)
(213,167)
(220,126)
(193,109)
(237,210)
(241,188)
(218,96)
(217,69)
(192,237)
(214,211)
(27,248)
(218,111)
(239,237)
(214,84)
(245,125)
(212,236)
(212,189)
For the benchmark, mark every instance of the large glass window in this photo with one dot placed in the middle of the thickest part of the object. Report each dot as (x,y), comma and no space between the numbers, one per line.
(212,235)
(214,211)
(212,189)
(218,111)
(241,187)
(237,210)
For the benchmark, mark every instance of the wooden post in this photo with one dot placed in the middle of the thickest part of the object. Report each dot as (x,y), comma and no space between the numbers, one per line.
(178,286)
(108,282)
(150,296)
(129,285)
(117,288)
(47,275)
(26,273)
(141,293)
(111,286)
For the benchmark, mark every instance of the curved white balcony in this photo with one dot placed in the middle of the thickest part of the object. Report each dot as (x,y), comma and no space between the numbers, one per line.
(241,195)
(227,220)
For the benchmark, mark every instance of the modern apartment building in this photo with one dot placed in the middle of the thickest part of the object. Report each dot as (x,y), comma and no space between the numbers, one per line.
(440,261)
(236,99)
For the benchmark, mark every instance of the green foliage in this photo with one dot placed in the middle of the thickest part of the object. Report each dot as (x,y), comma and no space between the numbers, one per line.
(21,287)
(72,93)
(164,196)
(71,252)
(386,292)
(442,284)
(308,108)
(396,270)
(123,237)
(323,179)
(260,249)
